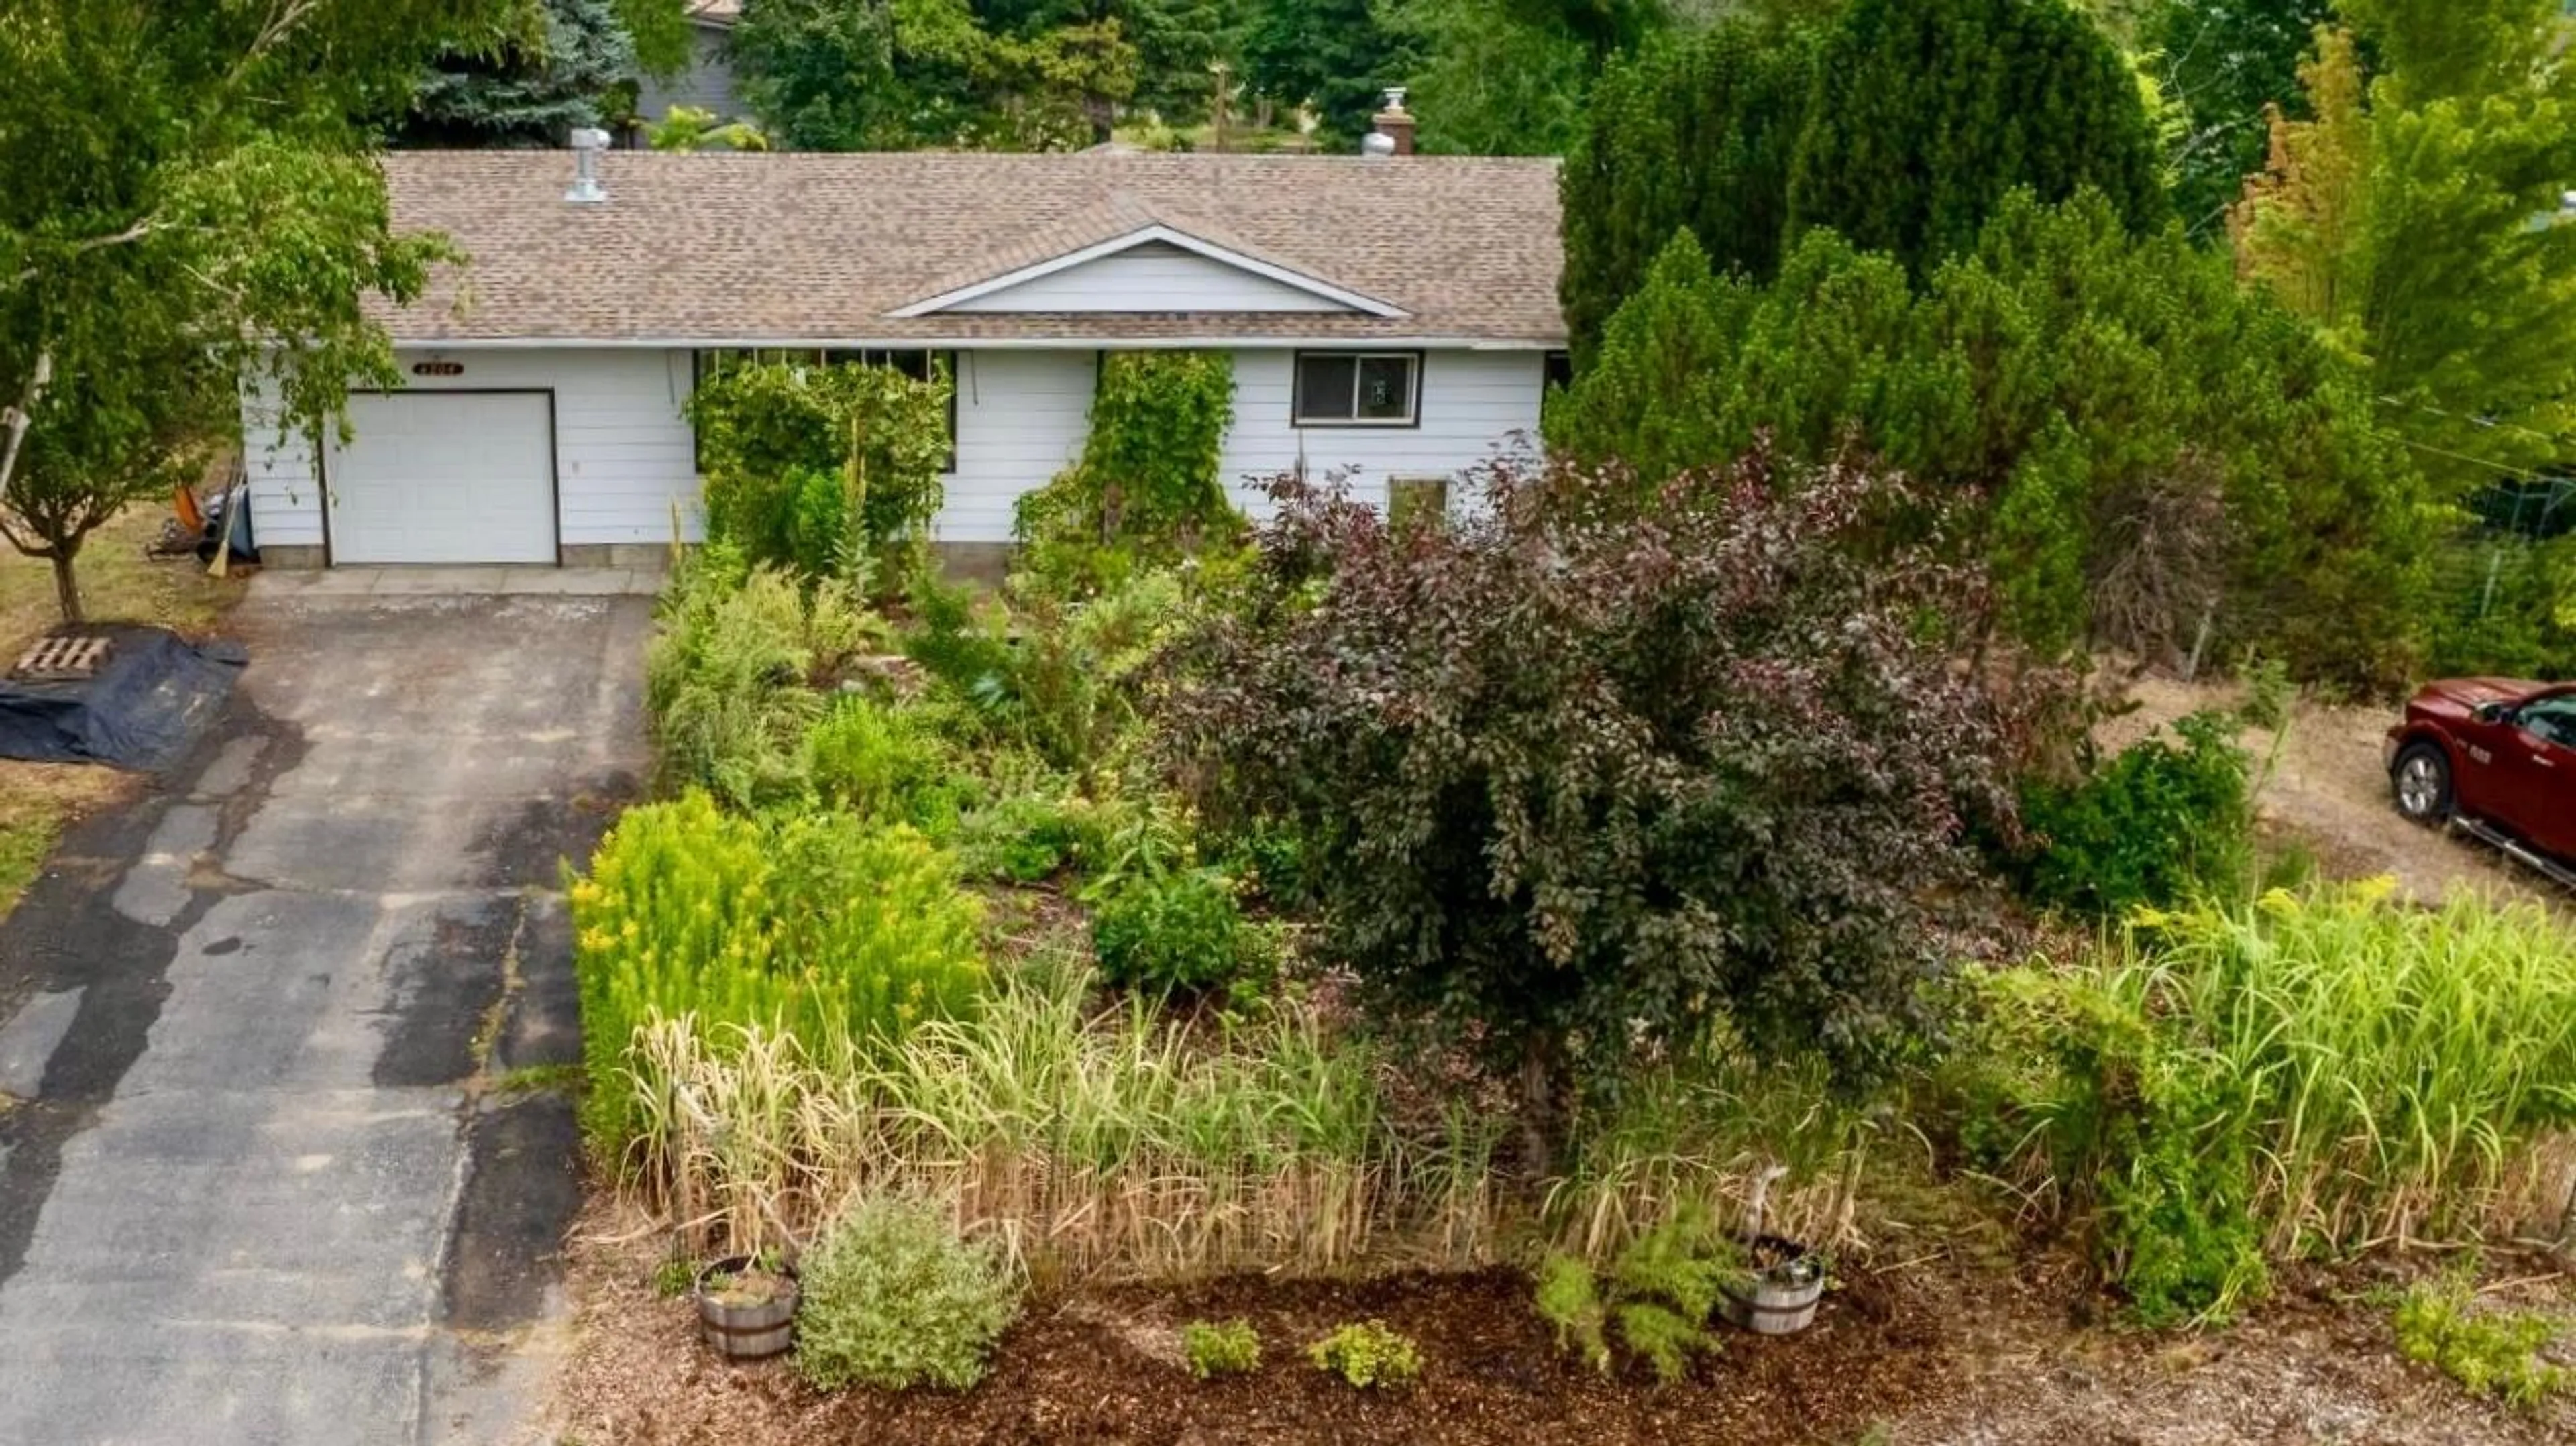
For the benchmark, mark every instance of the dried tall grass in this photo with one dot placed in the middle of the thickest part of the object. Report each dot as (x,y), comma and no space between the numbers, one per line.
(1119,1146)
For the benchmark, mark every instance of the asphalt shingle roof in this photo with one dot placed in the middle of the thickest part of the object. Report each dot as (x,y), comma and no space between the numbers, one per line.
(817,248)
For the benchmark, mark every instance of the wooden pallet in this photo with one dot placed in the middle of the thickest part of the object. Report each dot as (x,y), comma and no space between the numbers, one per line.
(61,660)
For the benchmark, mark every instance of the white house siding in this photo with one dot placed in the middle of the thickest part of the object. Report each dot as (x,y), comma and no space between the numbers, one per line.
(707,84)
(1471,405)
(1021,416)
(623,452)
(1155,276)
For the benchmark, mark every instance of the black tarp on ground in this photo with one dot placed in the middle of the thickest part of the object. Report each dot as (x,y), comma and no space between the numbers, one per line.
(155,695)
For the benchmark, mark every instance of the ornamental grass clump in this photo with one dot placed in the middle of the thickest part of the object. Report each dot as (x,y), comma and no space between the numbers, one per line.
(2334,1073)
(826,929)
(1112,1145)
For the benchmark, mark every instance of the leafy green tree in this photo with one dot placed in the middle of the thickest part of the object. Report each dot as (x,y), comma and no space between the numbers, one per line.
(1174,42)
(660,30)
(187,192)
(533,89)
(1334,54)
(1491,82)
(1697,134)
(2223,62)
(2416,220)
(859,75)
(1927,113)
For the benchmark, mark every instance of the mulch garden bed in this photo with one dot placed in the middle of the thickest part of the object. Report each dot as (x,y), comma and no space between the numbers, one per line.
(1938,1353)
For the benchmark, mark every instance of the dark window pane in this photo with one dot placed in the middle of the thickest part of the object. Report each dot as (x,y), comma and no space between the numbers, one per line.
(1386,388)
(1325,387)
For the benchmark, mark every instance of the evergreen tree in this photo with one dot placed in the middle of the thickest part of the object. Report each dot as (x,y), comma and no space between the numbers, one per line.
(2142,444)
(524,89)
(1698,134)
(1927,113)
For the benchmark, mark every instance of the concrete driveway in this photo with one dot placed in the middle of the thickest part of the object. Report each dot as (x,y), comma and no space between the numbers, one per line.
(266,1174)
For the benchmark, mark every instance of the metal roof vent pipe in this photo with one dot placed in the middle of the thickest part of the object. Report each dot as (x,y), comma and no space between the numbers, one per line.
(1391,130)
(587,143)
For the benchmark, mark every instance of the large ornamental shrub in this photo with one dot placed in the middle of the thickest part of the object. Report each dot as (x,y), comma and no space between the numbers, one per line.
(1586,778)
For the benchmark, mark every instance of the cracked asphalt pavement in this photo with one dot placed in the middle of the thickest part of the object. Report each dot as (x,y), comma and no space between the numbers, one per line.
(260,1180)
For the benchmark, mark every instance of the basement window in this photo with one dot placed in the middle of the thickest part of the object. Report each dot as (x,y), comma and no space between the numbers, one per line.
(1358,389)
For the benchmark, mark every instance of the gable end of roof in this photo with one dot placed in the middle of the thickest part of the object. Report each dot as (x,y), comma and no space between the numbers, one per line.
(1153,234)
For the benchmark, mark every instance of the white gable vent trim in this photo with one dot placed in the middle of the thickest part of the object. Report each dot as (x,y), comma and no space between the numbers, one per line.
(1147,236)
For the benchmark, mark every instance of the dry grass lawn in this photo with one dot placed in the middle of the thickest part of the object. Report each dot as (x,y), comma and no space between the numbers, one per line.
(118,584)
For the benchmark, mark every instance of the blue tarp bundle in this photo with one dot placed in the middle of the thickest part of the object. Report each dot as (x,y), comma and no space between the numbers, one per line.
(156,693)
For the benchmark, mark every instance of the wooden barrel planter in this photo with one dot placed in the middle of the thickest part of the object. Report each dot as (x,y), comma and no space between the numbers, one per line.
(744,1324)
(1777,1295)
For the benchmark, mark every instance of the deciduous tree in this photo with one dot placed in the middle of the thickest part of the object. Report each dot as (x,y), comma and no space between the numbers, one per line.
(187,193)
(2416,219)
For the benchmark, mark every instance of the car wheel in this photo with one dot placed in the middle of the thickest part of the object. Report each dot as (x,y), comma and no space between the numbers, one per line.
(2422,782)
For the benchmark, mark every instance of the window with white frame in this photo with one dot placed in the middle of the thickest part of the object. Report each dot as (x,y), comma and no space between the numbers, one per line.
(1358,389)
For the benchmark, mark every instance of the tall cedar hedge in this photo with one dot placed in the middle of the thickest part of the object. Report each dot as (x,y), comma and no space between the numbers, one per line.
(1902,126)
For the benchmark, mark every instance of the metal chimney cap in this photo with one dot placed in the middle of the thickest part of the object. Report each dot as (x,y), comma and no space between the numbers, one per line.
(587,144)
(1395,99)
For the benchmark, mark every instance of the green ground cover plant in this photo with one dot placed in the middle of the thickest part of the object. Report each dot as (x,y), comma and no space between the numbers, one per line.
(1178,932)
(1212,1349)
(1659,1292)
(2489,1352)
(1368,1355)
(893,1298)
(734,674)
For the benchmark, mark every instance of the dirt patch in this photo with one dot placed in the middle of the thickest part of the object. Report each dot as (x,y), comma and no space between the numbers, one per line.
(1935,1353)
(2322,783)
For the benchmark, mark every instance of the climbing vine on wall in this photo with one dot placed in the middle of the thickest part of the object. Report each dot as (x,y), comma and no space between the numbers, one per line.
(806,462)
(1146,488)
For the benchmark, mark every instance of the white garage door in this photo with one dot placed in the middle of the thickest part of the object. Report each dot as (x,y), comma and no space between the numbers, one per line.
(444,477)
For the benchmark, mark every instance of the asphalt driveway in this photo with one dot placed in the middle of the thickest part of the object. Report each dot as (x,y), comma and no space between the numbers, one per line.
(268,1168)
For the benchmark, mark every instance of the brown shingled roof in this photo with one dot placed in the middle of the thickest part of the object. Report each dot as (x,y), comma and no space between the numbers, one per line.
(819,248)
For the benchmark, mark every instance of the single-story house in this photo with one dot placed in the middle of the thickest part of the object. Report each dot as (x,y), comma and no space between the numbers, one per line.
(707,82)
(1392,315)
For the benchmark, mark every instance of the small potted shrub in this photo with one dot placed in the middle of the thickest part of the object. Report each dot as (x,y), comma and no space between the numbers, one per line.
(746,1304)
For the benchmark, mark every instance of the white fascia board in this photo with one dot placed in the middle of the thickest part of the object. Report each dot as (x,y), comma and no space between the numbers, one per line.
(984,343)
(1297,280)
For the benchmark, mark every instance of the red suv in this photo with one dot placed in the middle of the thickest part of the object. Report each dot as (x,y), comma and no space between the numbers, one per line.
(2498,755)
